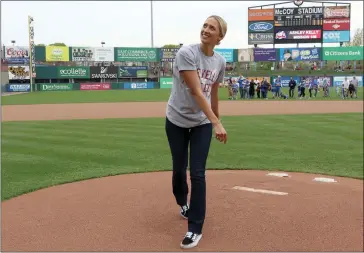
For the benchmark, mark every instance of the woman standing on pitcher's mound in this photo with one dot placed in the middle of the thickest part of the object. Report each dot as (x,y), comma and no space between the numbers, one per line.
(192,112)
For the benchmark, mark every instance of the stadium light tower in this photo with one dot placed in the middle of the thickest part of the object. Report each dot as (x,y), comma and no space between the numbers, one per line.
(151,23)
(13,42)
(102,44)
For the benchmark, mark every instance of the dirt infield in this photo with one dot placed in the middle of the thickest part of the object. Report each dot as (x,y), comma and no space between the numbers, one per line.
(138,212)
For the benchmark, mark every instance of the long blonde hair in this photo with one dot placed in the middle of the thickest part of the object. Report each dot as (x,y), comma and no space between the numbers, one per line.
(222,26)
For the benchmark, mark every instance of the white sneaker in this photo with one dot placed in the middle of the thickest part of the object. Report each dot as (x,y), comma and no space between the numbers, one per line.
(191,240)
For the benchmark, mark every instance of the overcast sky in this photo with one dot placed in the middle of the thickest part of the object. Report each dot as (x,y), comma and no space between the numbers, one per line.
(127,23)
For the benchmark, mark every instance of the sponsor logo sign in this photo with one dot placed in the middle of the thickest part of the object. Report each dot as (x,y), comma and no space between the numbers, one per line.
(261,27)
(130,54)
(228,54)
(265,54)
(168,54)
(299,54)
(109,72)
(342,53)
(56,86)
(18,72)
(245,55)
(297,35)
(104,53)
(139,71)
(18,88)
(82,54)
(338,24)
(260,14)
(337,12)
(286,79)
(95,86)
(166,82)
(336,36)
(17,55)
(260,38)
(338,80)
(142,85)
(73,72)
(57,53)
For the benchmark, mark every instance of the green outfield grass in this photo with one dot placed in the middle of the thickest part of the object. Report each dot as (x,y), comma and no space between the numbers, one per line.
(40,154)
(60,97)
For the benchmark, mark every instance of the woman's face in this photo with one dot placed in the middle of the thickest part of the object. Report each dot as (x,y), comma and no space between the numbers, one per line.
(210,32)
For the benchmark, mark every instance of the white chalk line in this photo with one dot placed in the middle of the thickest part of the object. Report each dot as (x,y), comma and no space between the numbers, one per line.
(241,188)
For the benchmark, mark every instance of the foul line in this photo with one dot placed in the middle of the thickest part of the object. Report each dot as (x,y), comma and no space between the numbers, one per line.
(259,190)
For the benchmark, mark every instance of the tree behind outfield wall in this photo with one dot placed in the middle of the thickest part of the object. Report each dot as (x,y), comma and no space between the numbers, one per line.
(357,39)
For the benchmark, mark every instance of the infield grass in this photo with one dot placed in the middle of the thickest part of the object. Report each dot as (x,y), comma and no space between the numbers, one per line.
(45,153)
(153,95)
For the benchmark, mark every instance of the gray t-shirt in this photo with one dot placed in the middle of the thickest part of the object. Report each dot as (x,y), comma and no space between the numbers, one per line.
(182,109)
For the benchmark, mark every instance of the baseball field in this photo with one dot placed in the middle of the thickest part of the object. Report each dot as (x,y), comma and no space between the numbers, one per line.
(53,141)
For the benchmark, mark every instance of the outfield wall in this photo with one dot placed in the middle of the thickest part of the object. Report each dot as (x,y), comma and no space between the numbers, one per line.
(165,83)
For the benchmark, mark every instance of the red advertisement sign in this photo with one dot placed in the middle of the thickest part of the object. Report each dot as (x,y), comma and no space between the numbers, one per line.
(299,34)
(337,12)
(336,24)
(95,86)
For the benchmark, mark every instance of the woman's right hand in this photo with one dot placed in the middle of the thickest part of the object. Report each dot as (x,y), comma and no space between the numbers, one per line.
(220,132)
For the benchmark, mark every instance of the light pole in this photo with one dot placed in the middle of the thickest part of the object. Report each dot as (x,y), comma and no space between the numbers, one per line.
(151,23)
(102,44)
(13,42)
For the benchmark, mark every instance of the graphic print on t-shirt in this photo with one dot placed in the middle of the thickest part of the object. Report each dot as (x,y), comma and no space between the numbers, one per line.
(207,79)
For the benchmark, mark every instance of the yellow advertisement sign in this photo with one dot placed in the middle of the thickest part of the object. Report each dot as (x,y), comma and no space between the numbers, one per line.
(57,53)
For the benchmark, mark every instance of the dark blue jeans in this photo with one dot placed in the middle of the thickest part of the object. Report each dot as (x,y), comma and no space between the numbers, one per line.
(199,140)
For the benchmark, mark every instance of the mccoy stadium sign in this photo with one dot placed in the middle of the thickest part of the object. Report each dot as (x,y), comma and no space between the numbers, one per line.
(298,11)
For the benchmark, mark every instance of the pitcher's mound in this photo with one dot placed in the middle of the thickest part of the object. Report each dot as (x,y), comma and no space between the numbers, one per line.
(138,213)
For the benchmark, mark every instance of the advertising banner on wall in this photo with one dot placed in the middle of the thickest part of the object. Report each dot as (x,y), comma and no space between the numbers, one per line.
(137,86)
(57,53)
(73,72)
(260,38)
(95,86)
(82,54)
(18,87)
(228,54)
(260,14)
(336,24)
(299,54)
(342,53)
(166,82)
(138,71)
(286,79)
(133,54)
(245,55)
(18,72)
(335,36)
(168,54)
(108,72)
(338,80)
(265,54)
(56,86)
(337,12)
(16,55)
(306,34)
(260,27)
(104,53)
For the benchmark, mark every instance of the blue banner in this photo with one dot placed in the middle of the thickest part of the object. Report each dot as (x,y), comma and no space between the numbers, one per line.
(137,86)
(335,36)
(286,79)
(18,87)
(18,60)
(228,54)
(138,71)
(299,54)
(338,80)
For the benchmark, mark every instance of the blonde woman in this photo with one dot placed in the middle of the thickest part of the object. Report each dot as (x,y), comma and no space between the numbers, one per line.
(192,112)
